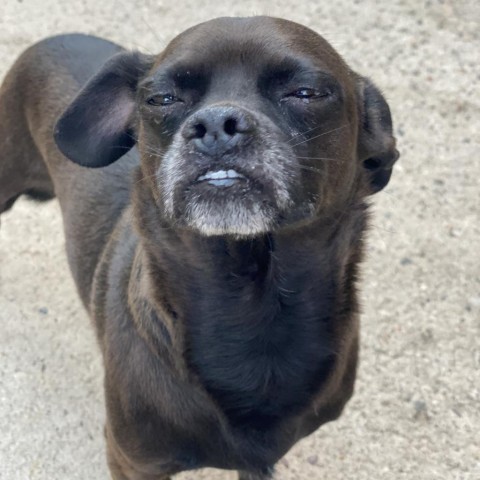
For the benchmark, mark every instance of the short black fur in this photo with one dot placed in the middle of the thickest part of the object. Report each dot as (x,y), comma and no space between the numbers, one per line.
(259,340)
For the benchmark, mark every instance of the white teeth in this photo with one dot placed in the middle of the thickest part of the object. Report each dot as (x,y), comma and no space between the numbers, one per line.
(234,174)
(219,175)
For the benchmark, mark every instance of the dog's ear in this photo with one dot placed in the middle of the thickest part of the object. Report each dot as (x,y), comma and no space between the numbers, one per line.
(376,143)
(97,127)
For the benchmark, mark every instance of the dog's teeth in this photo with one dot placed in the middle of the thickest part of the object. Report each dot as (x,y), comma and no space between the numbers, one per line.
(218,174)
(222,182)
(233,174)
(221,178)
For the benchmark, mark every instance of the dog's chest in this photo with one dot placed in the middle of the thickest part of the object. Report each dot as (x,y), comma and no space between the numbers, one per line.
(261,360)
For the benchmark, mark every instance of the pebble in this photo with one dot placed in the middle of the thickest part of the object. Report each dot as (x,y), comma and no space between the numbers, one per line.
(473,303)
(421,412)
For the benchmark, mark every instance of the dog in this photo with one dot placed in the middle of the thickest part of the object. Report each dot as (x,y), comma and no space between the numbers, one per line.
(214,200)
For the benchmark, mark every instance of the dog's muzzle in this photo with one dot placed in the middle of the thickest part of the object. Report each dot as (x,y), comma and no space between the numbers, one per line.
(227,172)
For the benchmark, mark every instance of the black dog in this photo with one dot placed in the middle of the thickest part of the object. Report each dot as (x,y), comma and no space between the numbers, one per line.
(219,260)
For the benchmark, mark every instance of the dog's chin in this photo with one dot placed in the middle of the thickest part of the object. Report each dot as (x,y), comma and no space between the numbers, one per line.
(234,217)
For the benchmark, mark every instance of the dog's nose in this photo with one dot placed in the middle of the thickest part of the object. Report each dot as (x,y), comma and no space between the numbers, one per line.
(216,130)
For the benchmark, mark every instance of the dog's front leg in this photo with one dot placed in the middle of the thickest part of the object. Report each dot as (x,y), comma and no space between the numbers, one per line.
(121,469)
(117,471)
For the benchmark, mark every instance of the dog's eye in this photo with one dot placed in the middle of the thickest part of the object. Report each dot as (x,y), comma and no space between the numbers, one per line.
(162,100)
(308,94)
(304,93)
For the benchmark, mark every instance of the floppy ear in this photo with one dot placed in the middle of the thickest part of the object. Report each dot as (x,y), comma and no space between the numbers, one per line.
(97,127)
(376,143)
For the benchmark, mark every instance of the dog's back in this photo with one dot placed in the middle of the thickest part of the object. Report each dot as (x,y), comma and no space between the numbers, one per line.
(37,89)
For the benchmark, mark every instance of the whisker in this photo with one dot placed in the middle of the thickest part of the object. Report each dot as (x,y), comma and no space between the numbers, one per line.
(304,133)
(311,169)
(145,177)
(153,150)
(141,47)
(155,154)
(152,31)
(121,147)
(321,158)
(321,134)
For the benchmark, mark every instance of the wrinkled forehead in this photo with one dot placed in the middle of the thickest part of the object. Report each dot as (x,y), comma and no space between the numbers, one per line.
(258,42)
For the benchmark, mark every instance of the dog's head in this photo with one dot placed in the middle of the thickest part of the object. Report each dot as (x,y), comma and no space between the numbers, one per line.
(244,126)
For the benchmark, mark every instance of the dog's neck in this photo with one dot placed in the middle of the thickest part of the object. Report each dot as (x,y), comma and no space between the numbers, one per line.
(255,317)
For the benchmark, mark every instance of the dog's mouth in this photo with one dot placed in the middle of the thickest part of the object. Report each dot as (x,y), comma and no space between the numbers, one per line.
(225,198)
(222,178)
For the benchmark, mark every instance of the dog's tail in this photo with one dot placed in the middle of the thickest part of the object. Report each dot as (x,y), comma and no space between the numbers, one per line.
(22,169)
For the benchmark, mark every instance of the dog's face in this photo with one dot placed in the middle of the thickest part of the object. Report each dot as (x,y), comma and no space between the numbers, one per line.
(253,126)
(244,126)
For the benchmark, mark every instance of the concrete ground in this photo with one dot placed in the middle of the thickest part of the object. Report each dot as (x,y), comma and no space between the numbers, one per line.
(416,411)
